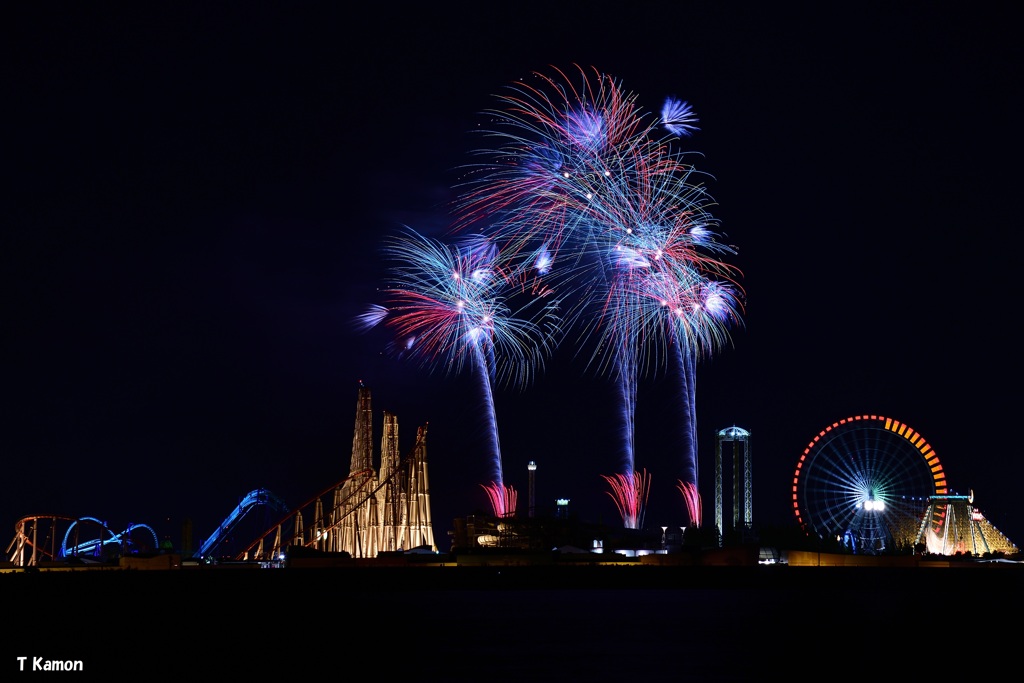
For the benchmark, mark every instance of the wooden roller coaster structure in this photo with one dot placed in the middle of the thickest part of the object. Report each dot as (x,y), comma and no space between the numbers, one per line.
(363,515)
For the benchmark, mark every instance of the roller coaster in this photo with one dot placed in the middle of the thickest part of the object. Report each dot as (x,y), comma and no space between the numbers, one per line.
(254,499)
(83,538)
(362,515)
(368,512)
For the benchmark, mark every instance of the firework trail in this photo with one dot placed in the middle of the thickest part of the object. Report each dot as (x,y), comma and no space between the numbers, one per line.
(627,388)
(661,305)
(712,313)
(451,308)
(687,368)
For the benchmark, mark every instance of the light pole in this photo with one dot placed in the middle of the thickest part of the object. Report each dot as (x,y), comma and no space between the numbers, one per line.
(532,467)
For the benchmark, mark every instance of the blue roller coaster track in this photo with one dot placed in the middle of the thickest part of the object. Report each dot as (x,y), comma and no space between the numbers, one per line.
(252,500)
(95,546)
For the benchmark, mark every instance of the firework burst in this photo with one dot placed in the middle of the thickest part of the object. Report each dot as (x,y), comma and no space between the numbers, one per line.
(450,307)
(691,498)
(630,493)
(576,170)
(587,207)
(503,499)
(677,117)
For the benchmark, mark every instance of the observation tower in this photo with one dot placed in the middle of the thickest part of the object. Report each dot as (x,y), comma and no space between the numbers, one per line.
(732,444)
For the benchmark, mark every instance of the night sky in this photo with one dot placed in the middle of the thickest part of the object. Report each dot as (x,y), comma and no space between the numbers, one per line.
(196,201)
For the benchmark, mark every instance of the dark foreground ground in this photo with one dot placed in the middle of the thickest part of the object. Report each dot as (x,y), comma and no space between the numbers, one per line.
(519,623)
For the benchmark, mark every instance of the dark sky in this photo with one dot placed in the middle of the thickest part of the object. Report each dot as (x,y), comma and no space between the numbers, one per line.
(196,200)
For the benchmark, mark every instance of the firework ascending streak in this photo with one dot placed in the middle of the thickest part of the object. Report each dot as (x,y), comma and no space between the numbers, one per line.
(587,191)
(450,307)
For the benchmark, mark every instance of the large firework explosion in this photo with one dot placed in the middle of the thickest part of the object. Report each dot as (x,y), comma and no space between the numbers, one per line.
(450,307)
(579,175)
(586,207)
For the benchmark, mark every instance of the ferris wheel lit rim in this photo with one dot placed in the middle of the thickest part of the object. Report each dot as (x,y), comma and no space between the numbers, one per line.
(916,440)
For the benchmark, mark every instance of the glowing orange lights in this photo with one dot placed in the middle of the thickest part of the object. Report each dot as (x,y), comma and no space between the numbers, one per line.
(810,466)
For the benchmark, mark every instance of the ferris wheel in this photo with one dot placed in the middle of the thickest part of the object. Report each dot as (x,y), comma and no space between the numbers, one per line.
(866,481)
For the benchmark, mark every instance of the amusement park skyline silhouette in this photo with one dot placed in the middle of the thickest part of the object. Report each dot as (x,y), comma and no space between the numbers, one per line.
(199,215)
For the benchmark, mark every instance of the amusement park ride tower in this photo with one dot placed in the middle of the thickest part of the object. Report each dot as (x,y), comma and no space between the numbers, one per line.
(733,443)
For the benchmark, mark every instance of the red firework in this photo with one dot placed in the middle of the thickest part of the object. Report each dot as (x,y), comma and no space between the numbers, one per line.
(503,499)
(630,491)
(692,498)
